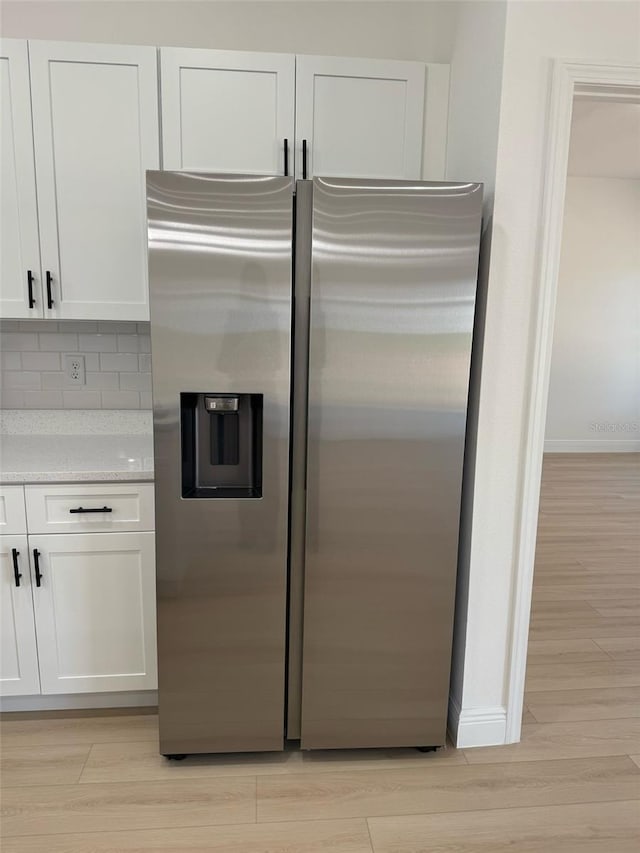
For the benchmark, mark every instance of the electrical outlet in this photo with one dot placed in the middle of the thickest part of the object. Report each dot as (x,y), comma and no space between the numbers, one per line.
(74,369)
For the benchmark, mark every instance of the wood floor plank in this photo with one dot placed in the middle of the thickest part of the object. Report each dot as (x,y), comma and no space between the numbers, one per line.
(564,651)
(617,607)
(324,836)
(42,765)
(441,789)
(75,730)
(582,828)
(621,648)
(556,590)
(573,705)
(582,676)
(635,759)
(48,810)
(547,741)
(130,762)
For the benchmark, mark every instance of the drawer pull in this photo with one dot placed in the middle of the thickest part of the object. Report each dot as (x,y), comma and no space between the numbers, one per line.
(91,509)
(36,563)
(16,569)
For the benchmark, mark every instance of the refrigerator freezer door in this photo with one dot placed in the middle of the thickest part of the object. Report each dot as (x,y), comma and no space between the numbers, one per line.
(393,278)
(220,261)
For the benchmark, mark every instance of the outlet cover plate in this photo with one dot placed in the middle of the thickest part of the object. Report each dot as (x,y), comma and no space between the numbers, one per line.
(74,369)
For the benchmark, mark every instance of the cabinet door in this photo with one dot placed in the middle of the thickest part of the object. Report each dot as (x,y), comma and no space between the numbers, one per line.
(95,119)
(18,654)
(96,612)
(227,111)
(20,255)
(361,118)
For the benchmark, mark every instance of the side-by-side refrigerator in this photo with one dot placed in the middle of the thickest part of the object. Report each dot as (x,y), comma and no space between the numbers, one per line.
(311,346)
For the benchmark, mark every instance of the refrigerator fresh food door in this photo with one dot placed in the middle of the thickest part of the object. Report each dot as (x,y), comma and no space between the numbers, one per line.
(393,280)
(220,259)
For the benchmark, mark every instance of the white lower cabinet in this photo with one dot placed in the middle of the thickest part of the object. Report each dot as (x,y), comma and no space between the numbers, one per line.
(18,652)
(94,604)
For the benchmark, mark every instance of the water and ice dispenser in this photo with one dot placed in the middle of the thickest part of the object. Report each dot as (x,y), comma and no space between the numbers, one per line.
(221,445)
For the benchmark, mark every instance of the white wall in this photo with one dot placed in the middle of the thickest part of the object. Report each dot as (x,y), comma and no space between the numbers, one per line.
(594,393)
(472,151)
(386,30)
(536,33)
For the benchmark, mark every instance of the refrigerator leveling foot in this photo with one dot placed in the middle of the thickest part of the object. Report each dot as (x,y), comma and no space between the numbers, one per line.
(175,757)
(426,748)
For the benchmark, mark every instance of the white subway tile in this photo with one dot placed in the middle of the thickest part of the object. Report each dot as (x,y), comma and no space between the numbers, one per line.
(143,328)
(97,343)
(40,361)
(58,341)
(43,400)
(10,361)
(146,400)
(9,326)
(135,381)
(115,327)
(127,343)
(119,361)
(38,326)
(11,398)
(83,326)
(91,361)
(144,343)
(81,399)
(104,381)
(120,400)
(52,381)
(19,341)
(144,362)
(21,379)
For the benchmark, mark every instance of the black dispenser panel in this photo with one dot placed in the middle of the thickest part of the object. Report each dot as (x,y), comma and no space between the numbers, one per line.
(221,445)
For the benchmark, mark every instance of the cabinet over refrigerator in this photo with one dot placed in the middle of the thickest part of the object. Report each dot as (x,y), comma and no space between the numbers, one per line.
(311,345)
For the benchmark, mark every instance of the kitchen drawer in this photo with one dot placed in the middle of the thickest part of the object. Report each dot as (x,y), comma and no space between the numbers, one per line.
(90,508)
(12,515)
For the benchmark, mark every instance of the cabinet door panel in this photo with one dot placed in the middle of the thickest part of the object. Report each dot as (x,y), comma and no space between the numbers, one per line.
(360,117)
(226,111)
(13,517)
(95,115)
(18,654)
(95,612)
(18,213)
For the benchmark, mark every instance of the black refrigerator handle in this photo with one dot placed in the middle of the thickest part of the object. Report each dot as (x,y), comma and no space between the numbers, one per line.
(304,159)
(286,158)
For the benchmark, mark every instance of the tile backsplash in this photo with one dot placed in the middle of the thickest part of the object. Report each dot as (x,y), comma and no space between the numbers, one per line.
(117,364)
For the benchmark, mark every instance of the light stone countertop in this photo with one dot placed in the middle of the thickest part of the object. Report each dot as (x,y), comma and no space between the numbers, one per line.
(75,446)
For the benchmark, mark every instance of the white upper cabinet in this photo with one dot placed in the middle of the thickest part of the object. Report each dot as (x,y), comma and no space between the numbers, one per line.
(95,120)
(20,252)
(360,118)
(227,111)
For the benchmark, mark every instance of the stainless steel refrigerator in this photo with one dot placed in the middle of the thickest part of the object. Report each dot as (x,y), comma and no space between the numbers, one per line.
(311,345)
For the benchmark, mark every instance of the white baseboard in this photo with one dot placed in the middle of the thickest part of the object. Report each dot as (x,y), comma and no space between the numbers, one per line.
(139,699)
(590,445)
(477,726)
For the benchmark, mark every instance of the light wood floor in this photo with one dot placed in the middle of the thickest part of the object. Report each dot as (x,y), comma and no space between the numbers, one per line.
(96,783)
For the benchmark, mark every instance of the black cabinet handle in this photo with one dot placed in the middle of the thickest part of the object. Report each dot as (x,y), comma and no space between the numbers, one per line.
(49,296)
(286,158)
(36,563)
(32,301)
(91,509)
(16,570)
(304,159)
